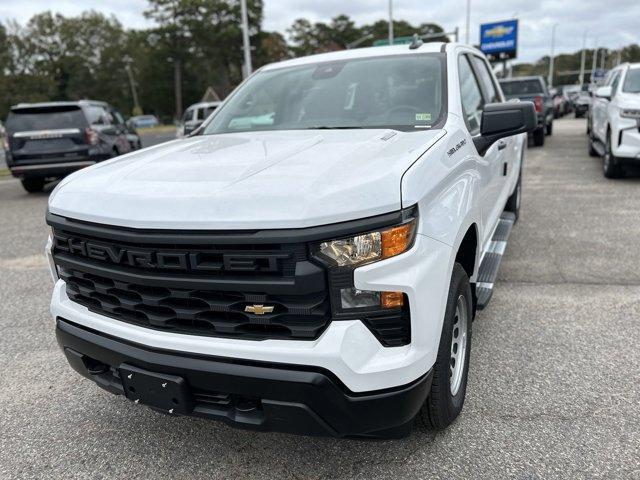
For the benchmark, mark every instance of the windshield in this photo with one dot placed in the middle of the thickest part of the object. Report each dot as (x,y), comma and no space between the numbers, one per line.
(402,92)
(23,120)
(522,87)
(632,82)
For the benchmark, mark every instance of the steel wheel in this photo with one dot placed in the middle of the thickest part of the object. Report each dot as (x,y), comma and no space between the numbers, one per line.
(458,345)
(607,154)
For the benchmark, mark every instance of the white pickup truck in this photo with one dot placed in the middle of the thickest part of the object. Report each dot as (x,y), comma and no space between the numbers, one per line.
(310,260)
(614,120)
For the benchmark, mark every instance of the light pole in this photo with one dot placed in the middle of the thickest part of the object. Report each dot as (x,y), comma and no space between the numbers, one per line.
(553,44)
(595,60)
(466,31)
(390,22)
(245,39)
(132,83)
(583,57)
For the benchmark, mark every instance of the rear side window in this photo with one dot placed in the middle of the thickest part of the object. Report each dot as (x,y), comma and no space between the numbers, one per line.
(486,80)
(98,115)
(29,119)
(471,95)
(522,87)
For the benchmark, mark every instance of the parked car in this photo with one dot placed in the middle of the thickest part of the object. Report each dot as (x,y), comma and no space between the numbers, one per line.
(615,120)
(194,116)
(581,104)
(143,121)
(315,271)
(47,141)
(533,89)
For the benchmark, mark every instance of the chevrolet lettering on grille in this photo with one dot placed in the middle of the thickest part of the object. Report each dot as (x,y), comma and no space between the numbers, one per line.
(170,259)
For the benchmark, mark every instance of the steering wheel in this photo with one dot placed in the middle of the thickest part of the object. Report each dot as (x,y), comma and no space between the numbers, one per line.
(402,108)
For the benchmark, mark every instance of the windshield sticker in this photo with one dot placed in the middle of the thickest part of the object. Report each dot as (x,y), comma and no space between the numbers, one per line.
(423,117)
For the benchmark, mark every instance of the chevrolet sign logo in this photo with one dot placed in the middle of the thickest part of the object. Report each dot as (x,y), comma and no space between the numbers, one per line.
(258,309)
(498,31)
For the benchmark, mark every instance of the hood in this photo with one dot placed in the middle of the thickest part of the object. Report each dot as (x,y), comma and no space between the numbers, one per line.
(278,179)
(628,100)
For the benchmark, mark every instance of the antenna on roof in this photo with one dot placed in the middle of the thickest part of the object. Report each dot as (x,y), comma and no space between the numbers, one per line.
(416,42)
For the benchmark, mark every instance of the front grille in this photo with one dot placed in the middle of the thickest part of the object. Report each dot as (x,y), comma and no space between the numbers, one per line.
(201,312)
(212,283)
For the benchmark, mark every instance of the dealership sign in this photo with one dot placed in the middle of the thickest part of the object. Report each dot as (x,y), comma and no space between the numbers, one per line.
(499,40)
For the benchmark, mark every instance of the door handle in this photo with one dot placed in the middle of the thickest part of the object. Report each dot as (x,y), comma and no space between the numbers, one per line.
(502,145)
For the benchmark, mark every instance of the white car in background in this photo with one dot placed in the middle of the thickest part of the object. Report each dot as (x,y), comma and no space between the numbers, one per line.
(615,120)
(194,116)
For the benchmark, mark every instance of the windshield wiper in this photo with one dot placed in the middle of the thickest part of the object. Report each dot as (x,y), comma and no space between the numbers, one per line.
(326,127)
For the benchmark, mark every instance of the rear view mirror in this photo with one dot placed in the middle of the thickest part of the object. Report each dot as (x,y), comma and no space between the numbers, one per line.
(604,92)
(501,120)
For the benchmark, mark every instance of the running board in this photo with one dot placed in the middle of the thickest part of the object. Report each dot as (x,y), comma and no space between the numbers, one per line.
(488,271)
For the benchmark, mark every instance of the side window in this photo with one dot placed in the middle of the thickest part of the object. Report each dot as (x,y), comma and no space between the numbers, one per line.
(470,94)
(118,117)
(614,83)
(484,75)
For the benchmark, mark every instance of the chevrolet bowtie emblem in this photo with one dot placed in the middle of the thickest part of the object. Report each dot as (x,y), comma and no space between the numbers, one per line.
(258,309)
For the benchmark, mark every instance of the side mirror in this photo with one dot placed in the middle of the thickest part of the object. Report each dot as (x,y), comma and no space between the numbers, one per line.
(604,92)
(500,120)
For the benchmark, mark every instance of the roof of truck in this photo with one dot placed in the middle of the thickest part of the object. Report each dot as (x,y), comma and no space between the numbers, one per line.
(367,52)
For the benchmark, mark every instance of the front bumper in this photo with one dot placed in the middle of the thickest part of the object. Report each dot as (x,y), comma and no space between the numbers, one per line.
(628,145)
(347,348)
(256,395)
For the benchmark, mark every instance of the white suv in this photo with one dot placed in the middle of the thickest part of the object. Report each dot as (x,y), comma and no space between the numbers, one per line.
(614,120)
(311,259)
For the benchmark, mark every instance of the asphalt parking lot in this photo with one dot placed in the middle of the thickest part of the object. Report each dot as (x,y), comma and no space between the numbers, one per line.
(554,387)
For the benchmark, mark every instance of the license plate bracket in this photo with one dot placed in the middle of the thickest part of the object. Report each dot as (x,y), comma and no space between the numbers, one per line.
(165,392)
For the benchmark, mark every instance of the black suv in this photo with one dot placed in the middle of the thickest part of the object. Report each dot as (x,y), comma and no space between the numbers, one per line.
(46,141)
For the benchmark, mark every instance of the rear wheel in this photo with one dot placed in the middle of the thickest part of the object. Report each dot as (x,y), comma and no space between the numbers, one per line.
(513,203)
(538,137)
(449,384)
(612,168)
(33,185)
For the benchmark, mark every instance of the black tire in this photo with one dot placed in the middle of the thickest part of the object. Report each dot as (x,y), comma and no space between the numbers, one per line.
(33,185)
(579,115)
(592,151)
(442,407)
(548,130)
(514,201)
(611,165)
(538,137)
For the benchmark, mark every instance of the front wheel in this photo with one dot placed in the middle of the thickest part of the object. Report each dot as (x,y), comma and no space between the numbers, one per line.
(612,168)
(549,128)
(449,383)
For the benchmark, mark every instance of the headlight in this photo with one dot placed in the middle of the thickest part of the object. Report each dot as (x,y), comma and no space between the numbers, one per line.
(343,255)
(368,247)
(630,113)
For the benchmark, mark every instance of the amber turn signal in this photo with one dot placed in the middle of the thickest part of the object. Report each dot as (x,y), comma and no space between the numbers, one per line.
(397,239)
(391,299)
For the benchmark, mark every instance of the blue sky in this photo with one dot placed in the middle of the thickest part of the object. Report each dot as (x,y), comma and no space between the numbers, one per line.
(613,27)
